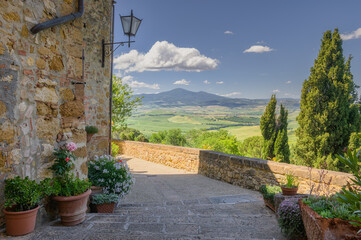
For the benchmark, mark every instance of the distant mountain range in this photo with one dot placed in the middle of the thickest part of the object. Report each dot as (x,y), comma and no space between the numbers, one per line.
(181,97)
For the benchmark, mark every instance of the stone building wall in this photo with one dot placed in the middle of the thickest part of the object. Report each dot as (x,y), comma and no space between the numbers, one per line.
(51,85)
(242,171)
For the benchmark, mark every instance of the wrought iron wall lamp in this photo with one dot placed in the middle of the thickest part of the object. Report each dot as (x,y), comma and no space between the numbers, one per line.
(130,26)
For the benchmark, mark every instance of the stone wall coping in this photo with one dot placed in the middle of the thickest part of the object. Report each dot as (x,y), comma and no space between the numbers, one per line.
(163,146)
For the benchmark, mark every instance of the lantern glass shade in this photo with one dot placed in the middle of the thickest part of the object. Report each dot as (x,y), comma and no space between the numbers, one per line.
(130,24)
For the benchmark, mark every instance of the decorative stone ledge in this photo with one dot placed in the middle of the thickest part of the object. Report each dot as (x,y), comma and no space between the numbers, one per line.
(242,171)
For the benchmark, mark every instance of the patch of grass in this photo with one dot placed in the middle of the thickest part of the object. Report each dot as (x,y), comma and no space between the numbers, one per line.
(183,119)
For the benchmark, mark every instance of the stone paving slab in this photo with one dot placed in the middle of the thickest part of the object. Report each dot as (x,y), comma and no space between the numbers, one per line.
(196,208)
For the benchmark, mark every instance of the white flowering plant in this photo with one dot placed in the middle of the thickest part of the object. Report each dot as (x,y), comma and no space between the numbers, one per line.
(111,173)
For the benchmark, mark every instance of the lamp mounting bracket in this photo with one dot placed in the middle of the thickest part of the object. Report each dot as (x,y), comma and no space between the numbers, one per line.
(107,53)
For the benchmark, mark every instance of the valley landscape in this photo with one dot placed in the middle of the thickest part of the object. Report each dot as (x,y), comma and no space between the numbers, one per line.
(186,110)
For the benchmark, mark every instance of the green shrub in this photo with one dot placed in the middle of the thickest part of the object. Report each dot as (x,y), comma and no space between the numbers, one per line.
(130,134)
(104,198)
(69,186)
(352,194)
(115,149)
(269,192)
(330,207)
(91,129)
(25,194)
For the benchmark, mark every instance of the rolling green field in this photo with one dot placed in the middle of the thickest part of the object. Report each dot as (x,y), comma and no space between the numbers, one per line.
(240,122)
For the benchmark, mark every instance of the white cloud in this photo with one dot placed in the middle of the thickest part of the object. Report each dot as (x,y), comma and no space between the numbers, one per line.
(228,32)
(206,82)
(232,94)
(165,56)
(182,82)
(258,49)
(354,35)
(290,95)
(276,91)
(288,82)
(220,82)
(135,84)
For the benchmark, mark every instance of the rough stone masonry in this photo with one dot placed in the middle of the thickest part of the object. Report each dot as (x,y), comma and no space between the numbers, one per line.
(51,85)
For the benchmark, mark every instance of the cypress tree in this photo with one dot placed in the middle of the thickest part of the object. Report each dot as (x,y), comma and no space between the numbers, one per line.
(268,128)
(281,148)
(328,111)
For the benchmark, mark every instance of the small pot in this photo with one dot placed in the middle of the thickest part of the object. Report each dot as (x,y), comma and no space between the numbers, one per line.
(289,191)
(89,136)
(269,204)
(96,190)
(105,207)
(20,223)
(72,209)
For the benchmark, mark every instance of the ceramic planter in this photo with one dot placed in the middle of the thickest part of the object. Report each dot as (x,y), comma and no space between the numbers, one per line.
(72,210)
(289,191)
(20,223)
(320,228)
(105,207)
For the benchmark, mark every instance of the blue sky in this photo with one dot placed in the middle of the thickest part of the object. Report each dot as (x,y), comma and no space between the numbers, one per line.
(237,48)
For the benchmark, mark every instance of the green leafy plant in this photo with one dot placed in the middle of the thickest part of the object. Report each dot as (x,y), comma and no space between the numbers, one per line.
(104,198)
(351,194)
(115,149)
(330,207)
(69,186)
(91,129)
(290,181)
(290,219)
(269,191)
(111,174)
(22,194)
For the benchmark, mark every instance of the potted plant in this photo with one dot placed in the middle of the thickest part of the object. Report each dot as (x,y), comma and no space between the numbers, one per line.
(268,192)
(22,200)
(290,219)
(90,130)
(104,203)
(290,188)
(337,216)
(110,173)
(71,193)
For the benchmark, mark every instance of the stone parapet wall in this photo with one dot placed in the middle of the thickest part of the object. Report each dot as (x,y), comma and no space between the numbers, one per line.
(242,171)
(172,156)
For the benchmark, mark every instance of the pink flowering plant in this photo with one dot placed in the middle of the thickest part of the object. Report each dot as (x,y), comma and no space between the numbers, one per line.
(64,159)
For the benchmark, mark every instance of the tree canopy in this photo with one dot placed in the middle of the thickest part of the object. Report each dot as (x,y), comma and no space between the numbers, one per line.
(329,109)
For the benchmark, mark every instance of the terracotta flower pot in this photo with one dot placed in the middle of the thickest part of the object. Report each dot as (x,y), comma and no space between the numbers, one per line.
(321,228)
(269,204)
(105,207)
(289,191)
(89,136)
(20,223)
(72,209)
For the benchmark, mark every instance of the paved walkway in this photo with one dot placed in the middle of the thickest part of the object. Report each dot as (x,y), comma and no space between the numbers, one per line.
(168,203)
